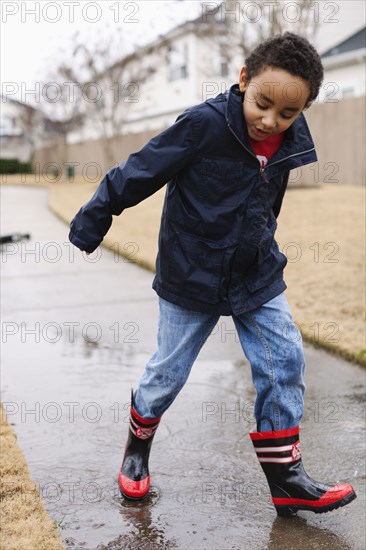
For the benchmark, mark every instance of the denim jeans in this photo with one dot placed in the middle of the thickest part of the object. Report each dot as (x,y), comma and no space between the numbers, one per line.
(270,340)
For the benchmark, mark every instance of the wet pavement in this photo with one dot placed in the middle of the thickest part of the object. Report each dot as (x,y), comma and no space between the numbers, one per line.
(76,334)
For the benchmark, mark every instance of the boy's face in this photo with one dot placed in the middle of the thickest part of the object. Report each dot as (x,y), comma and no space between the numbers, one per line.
(273,100)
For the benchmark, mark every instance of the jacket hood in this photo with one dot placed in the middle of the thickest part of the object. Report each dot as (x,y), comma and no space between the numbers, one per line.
(230,103)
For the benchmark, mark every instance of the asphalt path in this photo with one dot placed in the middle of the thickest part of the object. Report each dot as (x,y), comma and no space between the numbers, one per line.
(76,334)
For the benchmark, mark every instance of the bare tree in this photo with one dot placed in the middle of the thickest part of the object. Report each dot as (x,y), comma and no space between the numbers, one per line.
(262,19)
(31,124)
(37,128)
(98,87)
(236,27)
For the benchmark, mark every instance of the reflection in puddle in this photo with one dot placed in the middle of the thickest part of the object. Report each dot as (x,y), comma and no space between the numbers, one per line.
(145,535)
(287,532)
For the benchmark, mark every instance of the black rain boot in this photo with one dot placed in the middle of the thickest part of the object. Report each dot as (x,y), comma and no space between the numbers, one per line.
(291,488)
(134,478)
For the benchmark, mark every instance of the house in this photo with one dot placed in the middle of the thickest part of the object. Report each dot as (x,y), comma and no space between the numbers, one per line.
(344,68)
(191,69)
(187,65)
(23,129)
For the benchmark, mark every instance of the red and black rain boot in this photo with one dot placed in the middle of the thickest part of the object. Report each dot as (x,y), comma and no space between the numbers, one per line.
(134,478)
(291,488)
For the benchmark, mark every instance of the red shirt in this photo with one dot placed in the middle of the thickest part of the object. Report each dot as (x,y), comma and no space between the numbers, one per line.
(265,149)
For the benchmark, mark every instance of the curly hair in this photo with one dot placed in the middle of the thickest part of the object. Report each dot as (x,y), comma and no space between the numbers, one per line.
(290,52)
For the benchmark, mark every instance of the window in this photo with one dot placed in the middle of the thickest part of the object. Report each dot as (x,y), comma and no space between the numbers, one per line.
(221,63)
(348,91)
(178,62)
(6,125)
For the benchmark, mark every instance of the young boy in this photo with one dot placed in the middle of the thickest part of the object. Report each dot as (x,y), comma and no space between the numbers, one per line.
(226,163)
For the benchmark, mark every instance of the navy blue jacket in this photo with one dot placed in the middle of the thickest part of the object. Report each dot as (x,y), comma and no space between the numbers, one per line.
(217,251)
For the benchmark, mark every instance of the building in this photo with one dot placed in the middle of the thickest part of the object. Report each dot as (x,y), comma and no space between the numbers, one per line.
(344,68)
(23,129)
(185,67)
(188,66)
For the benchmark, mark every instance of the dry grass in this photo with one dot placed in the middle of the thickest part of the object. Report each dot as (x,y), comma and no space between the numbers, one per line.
(25,523)
(326,285)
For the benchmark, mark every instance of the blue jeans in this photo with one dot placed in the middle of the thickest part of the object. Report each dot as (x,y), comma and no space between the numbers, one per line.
(270,340)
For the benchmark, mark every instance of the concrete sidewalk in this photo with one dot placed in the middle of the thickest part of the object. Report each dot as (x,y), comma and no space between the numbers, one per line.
(77,333)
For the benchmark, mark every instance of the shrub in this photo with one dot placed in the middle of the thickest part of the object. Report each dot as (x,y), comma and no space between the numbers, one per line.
(14,166)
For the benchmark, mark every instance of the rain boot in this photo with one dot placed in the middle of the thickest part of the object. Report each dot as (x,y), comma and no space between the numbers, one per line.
(291,488)
(134,478)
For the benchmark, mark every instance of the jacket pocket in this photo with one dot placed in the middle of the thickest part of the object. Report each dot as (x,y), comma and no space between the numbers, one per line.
(221,181)
(268,271)
(195,267)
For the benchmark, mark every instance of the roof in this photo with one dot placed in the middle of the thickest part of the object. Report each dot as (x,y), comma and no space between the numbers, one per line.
(50,125)
(191,25)
(7,98)
(196,25)
(354,42)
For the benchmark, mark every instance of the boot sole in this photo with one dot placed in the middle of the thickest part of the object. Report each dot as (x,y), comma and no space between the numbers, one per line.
(128,497)
(287,511)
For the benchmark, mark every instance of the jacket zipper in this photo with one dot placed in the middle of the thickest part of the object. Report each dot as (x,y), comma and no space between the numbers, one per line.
(262,168)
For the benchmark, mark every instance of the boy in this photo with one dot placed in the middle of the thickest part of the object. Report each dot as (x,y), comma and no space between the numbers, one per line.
(226,162)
